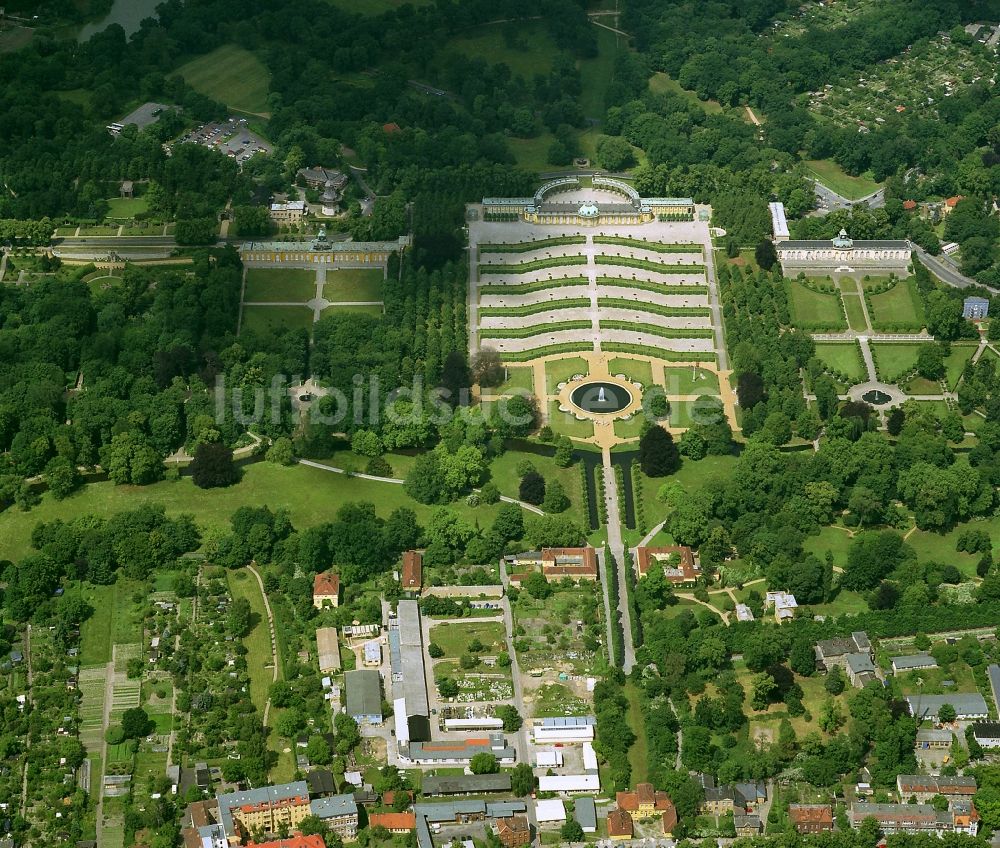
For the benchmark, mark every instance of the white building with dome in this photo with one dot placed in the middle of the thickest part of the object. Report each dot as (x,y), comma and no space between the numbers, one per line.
(844,255)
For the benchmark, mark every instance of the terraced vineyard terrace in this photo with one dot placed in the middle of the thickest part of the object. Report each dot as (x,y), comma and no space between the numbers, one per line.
(658,353)
(532,330)
(533,265)
(647,265)
(656,330)
(535,308)
(529,288)
(658,246)
(660,288)
(549,350)
(525,246)
(667,311)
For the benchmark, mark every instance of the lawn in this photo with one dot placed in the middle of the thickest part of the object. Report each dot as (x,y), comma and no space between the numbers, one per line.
(638,754)
(115,619)
(353,284)
(692,475)
(503,472)
(311,496)
(453,638)
(374,7)
(525,47)
(596,73)
(126,207)
(366,309)
(233,76)
(565,424)
(267,319)
(683,412)
(833,177)
(279,285)
(634,369)
(518,379)
(855,312)
(661,83)
(843,358)
(560,370)
(892,359)
(690,380)
(630,429)
(901,305)
(811,309)
(954,363)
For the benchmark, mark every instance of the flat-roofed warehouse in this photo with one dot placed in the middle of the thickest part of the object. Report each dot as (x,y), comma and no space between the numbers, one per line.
(464,784)
(414,683)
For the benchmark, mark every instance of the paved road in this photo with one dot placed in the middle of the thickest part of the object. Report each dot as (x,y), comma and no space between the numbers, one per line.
(944,268)
(829,200)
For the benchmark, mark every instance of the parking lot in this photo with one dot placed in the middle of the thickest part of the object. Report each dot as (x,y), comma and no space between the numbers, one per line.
(232,138)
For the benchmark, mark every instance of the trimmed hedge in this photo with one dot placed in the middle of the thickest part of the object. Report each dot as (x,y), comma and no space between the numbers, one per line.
(525,246)
(530,288)
(533,265)
(645,285)
(657,353)
(663,332)
(547,350)
(647,265)
(535,308)
(655,308)
(533,330)
(658,246)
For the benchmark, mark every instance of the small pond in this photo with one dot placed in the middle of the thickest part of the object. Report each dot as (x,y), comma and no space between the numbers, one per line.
(876,397)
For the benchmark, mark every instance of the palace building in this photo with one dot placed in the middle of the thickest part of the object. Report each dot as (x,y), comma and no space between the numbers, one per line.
(343,254)
(544,208)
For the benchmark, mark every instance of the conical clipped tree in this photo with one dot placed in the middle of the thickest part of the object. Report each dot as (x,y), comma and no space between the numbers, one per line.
(658,455)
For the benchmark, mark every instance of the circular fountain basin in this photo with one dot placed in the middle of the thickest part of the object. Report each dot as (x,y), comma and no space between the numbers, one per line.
(599,398)
(876,397)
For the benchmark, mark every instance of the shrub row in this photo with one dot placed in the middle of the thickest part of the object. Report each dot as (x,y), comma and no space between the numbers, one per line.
(657,353)
(655,308)
(525,246)
(533,330)
(530,288)
(645,285)
(535,308)
(533,265)
(658,246)
(663,332)
(547,350)
(585,496)
(616,650)
(647,265)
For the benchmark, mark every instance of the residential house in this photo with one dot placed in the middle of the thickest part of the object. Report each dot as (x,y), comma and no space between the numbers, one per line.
(677,561)
(339,813)
(373,654)
(513,831)
(556,563)
(645,802)
(961,817)
(326,590)
(289,212)
(394,822)
(297,840)
(831,652)
(924,787)
(860,670)
(412,575)
(811,818)
(619,825)
(784,605)
(744,613)
(668,821)
(747,825)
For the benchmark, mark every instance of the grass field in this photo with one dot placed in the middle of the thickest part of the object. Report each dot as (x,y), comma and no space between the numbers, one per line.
(565,424)
(630,429)
(596,73)
(526,48)
(690,380)
(114,620)
(454,637)
(267,319)
(126,207)
(367,309)
(900,305)
(954,363)
(855,312)
(231,75)
(518,379)
(555,699)
(833,177)
(560,370)
(634,369)
(661,83)
(347,284)
(892,360)
(844,358)
(260,662)
(311,496)
(279,285)
(812,309)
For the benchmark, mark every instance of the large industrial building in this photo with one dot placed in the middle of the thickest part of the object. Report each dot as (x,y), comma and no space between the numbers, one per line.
(412,711)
